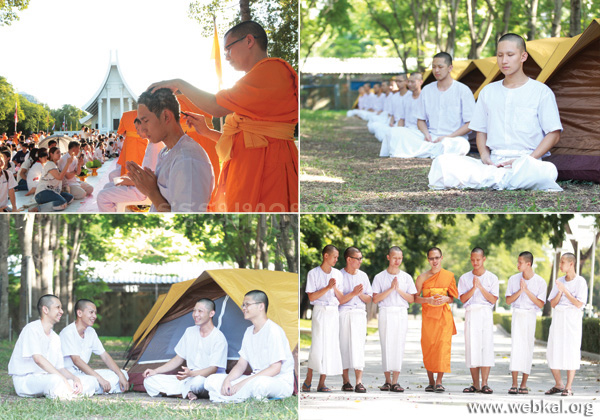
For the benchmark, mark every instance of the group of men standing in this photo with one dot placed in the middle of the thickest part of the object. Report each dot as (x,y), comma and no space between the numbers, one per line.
(516,120)
(46,364)
(339,319)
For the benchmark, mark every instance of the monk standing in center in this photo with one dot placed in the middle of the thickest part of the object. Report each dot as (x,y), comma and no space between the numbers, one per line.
(436,289)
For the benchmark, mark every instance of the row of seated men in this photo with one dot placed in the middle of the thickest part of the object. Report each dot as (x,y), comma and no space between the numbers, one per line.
(516,120)
(46,364)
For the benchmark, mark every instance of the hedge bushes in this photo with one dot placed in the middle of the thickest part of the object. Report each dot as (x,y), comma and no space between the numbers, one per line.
(591,330)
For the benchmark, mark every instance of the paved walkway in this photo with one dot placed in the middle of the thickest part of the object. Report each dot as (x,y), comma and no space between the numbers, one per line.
(453,402)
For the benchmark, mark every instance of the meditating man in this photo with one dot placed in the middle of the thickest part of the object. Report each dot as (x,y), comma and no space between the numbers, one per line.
(436,289)
(353,319)
(394,290)
(526,294)
(36,364)
(183,180)
(266,350)
(79,340)
(568,298)
(478,291)
(260,159)
(203,348)
(517,123)
(324,286)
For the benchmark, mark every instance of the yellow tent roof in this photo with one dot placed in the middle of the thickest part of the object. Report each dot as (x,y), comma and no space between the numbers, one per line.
(458,67)
(485,66)
(281,289)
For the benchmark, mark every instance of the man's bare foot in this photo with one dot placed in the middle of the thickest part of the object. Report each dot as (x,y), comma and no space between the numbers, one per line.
(191,396)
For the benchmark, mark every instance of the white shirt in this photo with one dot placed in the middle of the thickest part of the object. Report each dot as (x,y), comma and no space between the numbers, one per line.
(577,287)
(536,285)
(362,102)
(268,346)
(383,281)
(409,111)
(317,279)
(377,102)
(516,119)
(151,154)
(488,280)
(25,165)
(202,352)
(34,175)
(350,281)
(7,182)
(72,344)
(185,176)
(33,340)
(62,162)
(447,111)
(387,103)
(398,105)
(47,181)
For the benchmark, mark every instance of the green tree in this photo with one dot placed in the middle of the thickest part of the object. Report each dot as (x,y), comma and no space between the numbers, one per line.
(70,114)
(9,9)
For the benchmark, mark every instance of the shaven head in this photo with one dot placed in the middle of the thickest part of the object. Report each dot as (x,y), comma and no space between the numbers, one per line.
(250,27)
(350,252)
(435,248)
(444,55)
(517,39)
(394,249)
(47,301)
(569,256)
(81,304)
(208,303)
(259,296)
(478,251)
(527,256)
(159,101)
(329,250)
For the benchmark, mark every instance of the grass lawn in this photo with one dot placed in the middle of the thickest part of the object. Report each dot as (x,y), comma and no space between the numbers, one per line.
(341,171)
(131,405)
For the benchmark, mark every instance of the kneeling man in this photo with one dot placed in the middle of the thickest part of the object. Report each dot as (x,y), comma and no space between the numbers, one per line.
(203,347)
(78,340)
(266,349)
(517,123)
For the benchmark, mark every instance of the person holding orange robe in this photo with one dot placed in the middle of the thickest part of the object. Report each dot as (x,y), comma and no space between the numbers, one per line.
(436,289)
(259,158)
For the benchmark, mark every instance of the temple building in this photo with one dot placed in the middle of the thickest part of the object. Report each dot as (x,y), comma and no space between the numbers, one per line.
(112,98)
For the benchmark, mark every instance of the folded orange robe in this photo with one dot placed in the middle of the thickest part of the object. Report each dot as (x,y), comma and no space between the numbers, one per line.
(134,147)
(261,174)
(438,323)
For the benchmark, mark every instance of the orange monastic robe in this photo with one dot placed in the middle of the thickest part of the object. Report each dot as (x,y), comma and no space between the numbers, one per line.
(260,172)
(134,147)
(438,324)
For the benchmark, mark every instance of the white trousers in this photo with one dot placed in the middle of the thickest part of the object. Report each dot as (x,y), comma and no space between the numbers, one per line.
(526,173)
(353,333)
(107,374)
(114,173)
(259,387)
(479,336)
(49,385)
(170,385)
(109,197)
(324,356)
(80,190)
(360,113)
(564,339)
(405,142)
(522,340)
(393,325)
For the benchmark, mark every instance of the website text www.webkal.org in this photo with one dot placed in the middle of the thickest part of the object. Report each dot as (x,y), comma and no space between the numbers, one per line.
(532,407)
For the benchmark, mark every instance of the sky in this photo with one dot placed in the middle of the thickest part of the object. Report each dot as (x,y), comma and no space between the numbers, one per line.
(59,50)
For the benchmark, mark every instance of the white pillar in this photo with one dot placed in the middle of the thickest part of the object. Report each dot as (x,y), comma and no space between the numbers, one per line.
(130,104)
(108,116)
(121,98)
(100,114)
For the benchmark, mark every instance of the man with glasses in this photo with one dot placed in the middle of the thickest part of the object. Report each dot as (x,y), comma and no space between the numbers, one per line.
(266,350)
(436,289)
(260,169)
(353,319)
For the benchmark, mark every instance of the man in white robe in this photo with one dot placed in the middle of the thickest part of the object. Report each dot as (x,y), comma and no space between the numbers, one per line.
(568,298)
(478,291)
(405,116)
(361,103)
(380,124)
(78,341)
(353,319)
(517,123)
(526,294)
(266,350)
(204,350)
(36,364)
(393,290)
(324,285)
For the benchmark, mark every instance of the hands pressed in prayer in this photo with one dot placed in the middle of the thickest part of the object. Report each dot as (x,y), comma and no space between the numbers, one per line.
(477,282)
(331,284)
(523,284)
(560,286)
(395,283)
(358,289)
(143,178)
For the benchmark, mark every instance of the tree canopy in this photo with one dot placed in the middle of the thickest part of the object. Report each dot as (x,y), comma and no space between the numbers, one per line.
(9,9)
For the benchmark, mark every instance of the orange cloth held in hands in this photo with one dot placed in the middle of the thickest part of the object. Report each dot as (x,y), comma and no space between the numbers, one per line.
(261,175)
(134,147)
(438,323)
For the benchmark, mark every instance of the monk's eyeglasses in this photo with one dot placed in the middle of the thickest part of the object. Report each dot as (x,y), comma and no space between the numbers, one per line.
(434,258)
(245,305)
(356,258)
(228,46)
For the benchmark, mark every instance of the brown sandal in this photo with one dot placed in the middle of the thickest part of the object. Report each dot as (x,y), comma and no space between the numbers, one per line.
(347,387)
(554,390)
(397,388)
(360,388)
(470,390)
(386,386)
(486,390)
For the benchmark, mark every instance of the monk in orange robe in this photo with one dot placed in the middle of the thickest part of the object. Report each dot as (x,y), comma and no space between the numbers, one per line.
(134,147)
(259,158)
(438,289)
